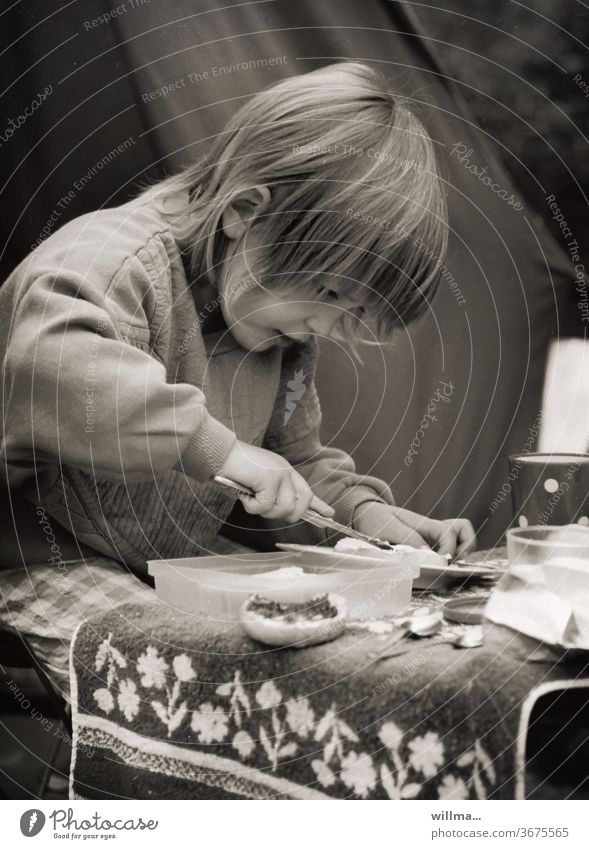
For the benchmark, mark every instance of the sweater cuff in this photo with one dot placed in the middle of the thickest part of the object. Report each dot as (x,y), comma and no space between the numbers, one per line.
(353,497)
(207,449)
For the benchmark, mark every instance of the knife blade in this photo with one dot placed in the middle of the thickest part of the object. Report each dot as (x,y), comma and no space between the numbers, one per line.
(313,517)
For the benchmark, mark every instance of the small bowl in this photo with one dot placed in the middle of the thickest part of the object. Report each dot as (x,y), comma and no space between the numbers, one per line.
(539,544)
(554,557)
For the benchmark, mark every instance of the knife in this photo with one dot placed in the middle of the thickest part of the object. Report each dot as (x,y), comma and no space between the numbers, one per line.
(313,517)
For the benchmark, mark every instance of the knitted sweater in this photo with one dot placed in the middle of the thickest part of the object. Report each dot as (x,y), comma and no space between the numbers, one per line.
(117,410)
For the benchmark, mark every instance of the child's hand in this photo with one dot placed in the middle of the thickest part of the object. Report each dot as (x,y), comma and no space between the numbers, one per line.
(281,493)
(451,536)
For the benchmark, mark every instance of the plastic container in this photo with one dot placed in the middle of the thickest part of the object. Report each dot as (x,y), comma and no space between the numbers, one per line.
(215,587)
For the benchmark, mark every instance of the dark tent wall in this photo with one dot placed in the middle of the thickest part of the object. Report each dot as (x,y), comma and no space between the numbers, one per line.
(87,112)
(143,92)
(522,67)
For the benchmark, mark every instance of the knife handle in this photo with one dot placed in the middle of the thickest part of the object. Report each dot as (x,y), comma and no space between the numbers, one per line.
(240,490)
(234,487)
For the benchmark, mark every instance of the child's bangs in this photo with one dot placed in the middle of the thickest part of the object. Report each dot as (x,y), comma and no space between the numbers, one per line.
(389,269)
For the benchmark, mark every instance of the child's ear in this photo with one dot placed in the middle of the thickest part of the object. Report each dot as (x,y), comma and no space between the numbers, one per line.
(241,211)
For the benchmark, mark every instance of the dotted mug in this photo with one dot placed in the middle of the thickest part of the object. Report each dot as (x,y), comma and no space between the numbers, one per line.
(549,489)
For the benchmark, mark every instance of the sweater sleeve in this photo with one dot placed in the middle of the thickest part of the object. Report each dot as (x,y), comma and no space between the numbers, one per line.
(77,392)
(294,433)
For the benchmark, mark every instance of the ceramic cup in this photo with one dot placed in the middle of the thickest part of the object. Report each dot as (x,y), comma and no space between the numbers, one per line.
(549,489)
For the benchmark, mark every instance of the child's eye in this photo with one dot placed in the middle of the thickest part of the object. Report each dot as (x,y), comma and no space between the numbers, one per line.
(328,294)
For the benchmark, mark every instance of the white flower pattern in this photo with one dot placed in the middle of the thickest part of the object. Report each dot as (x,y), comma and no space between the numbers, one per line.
(358,773)
(128,699)
(243,743)
(182,667)
(209,723)
(268,696)
(152,668)
(397,771)
(452,787)
(391,735)
(427,753)
(104,699)
(300,716)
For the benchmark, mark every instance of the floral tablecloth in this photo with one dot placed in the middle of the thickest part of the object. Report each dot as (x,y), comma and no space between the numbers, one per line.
(166,705)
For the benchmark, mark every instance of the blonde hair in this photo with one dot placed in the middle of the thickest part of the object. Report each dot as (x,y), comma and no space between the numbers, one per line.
(355,193)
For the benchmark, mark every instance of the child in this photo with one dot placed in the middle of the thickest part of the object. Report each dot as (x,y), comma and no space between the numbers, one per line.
(148,348)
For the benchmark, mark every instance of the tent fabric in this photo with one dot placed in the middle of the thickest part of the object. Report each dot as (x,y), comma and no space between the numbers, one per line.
(437,412)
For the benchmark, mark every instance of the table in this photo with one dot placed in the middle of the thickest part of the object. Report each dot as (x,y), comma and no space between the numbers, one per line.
(168,705)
